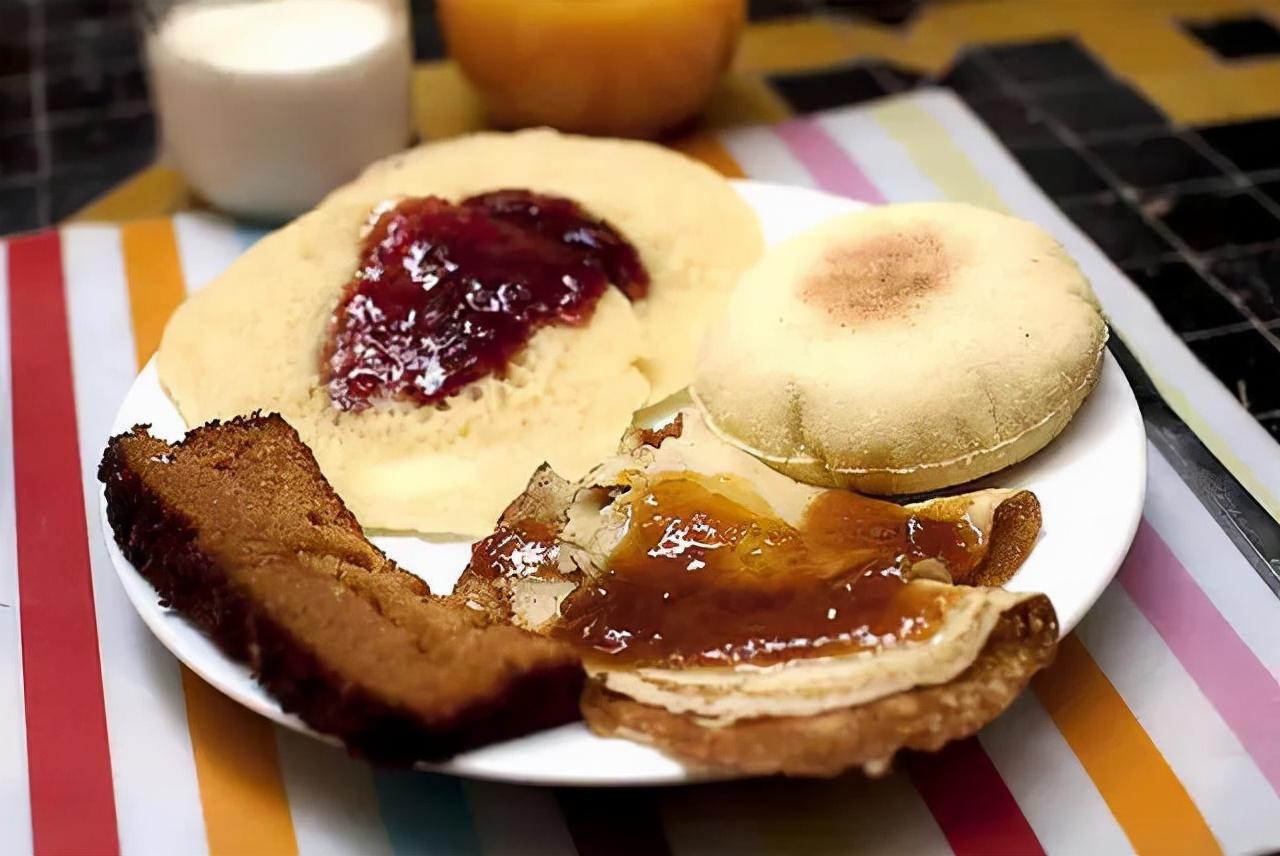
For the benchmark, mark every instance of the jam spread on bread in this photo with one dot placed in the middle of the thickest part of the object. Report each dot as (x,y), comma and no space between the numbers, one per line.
(709,576)
(448,293)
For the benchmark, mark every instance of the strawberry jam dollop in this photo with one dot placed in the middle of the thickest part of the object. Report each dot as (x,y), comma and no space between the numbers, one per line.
(447,293)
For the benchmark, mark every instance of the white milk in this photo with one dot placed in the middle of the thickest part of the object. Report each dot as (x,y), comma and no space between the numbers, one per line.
(268,105)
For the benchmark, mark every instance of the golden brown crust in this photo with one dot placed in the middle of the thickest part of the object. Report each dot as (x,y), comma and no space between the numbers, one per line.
(866,736)
(237,530)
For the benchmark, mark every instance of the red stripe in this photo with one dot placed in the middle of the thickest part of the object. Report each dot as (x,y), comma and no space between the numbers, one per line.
(69,761)
(970,801)
(828,163)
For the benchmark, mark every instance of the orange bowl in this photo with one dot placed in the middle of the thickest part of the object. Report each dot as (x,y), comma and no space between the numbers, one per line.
(630,68)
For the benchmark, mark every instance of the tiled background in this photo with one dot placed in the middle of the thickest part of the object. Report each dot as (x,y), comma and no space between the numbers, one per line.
(1189,206)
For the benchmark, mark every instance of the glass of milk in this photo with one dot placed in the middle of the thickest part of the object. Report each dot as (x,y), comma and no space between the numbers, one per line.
(267,105)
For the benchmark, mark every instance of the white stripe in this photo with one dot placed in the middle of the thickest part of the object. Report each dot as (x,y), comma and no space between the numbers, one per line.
(878,154)
(206,244)
(331,799)
(512,821)
(15,798)
(1039,768)
(1236,800)
(1207,553)
(1172,365)
(764,156)
(157,797)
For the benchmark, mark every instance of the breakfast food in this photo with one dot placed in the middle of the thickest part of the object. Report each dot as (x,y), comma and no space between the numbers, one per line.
(737,618)
(237,530)
(465,311)
(903,349)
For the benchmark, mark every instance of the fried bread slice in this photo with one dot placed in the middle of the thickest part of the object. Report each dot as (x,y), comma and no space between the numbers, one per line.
(811,712)
(238,530)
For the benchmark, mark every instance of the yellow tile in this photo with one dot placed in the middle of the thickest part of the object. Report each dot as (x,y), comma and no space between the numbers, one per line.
(743,98)
(791,45)
(1225,93)
(1138,41)
(444,103)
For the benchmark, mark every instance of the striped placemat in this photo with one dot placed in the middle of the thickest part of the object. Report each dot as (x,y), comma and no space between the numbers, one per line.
(1153,732)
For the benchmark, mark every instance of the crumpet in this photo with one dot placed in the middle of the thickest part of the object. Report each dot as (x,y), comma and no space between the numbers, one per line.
(903,349)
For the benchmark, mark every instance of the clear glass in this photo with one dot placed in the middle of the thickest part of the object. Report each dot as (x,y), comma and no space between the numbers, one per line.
(267,105)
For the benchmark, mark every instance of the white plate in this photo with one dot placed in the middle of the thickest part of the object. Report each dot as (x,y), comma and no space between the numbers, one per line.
(1090,482)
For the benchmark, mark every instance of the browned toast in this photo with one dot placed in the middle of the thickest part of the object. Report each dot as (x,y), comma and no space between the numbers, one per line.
(239,531)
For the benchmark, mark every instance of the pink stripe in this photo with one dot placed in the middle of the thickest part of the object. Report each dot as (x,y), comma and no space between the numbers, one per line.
(1238,685)
(826,161)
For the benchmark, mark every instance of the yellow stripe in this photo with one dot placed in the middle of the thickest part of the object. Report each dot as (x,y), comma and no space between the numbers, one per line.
(1147,799)
(242,792)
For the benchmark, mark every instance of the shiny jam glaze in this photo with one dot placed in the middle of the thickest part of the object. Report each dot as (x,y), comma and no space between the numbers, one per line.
(446,294)
(700,579)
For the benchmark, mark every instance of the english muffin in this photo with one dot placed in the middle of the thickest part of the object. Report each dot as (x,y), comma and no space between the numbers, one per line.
(902,349)
(275,331)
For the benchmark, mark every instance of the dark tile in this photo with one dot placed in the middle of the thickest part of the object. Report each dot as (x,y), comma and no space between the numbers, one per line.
(1249,145)
(14,58)
(15,101)
(103,138)
(1154,161)
(1117,228)
(1211,221)
(807,93)
(1247,364)
(1271,189)
(1056,61)
(893,12)
(1186,302)
(18,209)
(1254,278)
(1272,424)
(88,88)
(14,20)
(1060,172)
(90,42)
(1102,107)
(763,10)
(1015,123)
(895,78)
(428,42)
(18,153)
(70,190)
(970,77)
(1233,38)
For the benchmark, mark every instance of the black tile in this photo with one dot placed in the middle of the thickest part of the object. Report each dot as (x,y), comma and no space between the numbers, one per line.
(104,138)
(1247,364)
(1210,221)
(18,209)
(428,42)
(89,42)
(970,77)
(89,88)
(15,101)
(1254,278)
(895,78)
(892,12)
(1015,123)
(807,93)
(72,189)
(1272,424)
(18,153)
(1055,61)
(1101,107)
(14,58)
(1186,302)
(763,10)
(1060,172)
(1154,161)
(1271,189)
(15,16)
(1233,38)
(1116,228)
(1249,145)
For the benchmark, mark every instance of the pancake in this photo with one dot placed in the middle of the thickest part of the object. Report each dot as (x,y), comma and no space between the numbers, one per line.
(255,338)
(903,349)
(745,652)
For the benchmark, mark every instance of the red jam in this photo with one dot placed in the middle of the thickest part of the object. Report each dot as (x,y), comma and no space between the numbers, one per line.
(447,294)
